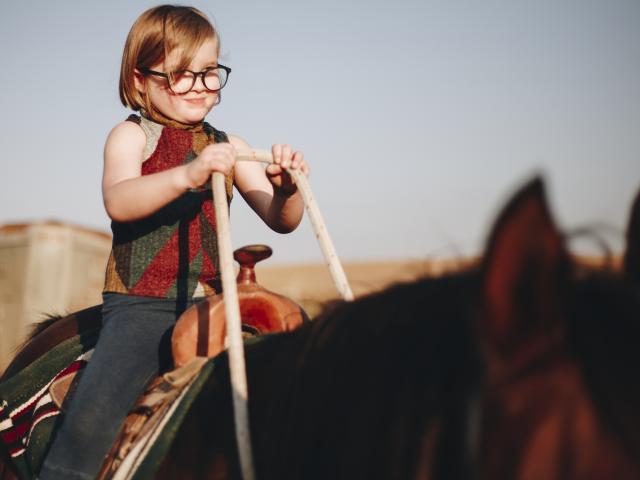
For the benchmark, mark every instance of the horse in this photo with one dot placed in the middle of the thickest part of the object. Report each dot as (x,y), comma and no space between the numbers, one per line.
(520,367)
(523,367)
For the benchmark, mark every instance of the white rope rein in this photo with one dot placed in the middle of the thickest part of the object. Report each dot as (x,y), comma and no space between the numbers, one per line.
(232,309)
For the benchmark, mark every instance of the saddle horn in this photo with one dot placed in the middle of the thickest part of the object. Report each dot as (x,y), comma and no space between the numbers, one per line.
(201,329)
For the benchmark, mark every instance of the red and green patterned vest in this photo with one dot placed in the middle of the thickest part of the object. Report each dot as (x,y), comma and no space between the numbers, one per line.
(173,252)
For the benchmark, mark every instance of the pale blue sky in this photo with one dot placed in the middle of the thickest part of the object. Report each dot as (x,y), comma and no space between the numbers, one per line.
(418,118)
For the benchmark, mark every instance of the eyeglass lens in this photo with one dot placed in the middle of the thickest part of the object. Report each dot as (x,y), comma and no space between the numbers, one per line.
(214,79)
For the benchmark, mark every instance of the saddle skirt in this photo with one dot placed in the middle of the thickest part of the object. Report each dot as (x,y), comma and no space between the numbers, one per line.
(145,423)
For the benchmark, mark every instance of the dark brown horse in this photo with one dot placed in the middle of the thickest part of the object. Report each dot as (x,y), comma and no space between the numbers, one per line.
(525,368)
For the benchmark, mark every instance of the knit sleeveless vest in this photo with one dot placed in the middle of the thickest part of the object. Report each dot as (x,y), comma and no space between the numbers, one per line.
(173,252)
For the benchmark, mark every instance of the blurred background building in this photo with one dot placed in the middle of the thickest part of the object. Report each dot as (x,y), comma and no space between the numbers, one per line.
(46,268)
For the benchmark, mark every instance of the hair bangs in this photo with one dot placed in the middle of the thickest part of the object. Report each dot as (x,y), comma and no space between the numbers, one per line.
(186,30)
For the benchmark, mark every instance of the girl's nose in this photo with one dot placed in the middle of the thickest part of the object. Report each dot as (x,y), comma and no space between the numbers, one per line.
(198,86)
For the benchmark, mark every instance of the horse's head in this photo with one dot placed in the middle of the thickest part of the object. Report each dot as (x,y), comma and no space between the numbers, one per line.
(559,394)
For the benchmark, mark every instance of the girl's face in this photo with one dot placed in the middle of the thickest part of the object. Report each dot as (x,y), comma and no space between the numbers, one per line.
(192,106)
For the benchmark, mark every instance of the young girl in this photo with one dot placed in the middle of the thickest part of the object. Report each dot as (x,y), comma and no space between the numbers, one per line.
(157,167)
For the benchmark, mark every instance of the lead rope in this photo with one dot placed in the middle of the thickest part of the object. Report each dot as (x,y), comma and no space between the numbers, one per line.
(235,345)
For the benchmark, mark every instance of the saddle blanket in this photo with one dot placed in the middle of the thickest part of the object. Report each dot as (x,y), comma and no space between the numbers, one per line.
(31,408)
(28,413)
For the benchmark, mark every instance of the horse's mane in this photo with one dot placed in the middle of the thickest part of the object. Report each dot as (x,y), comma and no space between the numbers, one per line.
(36,329)
(331,379)
(410,367)
(632,254)
(48,333)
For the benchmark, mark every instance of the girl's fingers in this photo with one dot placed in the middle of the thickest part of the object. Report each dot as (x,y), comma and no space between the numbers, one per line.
(274,169)
(286,156)
(224,161)
(297,159)
(276,151)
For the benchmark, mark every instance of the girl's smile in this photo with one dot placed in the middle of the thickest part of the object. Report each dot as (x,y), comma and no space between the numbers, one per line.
(198,101)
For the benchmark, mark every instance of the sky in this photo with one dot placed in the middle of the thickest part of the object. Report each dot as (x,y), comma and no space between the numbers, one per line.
(418,118)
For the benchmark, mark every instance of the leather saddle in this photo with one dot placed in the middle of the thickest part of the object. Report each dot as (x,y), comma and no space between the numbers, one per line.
(199,334)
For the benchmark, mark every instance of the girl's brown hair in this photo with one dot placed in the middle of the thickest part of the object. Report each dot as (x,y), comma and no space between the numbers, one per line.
(152,37)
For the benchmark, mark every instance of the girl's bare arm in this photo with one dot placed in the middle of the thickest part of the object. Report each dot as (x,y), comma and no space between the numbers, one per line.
(130,196)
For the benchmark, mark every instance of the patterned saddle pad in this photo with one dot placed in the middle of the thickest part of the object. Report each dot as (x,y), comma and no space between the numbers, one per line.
(28,414)
(32,405)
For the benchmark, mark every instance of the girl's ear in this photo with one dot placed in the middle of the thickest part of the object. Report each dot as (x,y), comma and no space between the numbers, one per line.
(139,81)
(523,273)
(631,264)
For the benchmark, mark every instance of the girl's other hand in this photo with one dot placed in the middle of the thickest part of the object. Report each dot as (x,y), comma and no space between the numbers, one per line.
(284,157)
(218,157)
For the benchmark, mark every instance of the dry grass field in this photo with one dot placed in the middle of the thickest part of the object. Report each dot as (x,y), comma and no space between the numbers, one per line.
(311,285)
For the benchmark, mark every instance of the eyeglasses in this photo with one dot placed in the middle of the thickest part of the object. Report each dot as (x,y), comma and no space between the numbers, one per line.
(182,81)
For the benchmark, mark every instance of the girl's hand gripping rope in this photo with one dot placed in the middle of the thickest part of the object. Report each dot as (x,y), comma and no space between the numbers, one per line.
(217,157)
(284,157)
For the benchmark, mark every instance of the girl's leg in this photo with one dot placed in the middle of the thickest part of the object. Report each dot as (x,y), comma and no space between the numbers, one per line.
(128,355)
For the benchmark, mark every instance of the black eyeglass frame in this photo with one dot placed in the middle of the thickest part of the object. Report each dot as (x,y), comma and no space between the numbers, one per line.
(147,71)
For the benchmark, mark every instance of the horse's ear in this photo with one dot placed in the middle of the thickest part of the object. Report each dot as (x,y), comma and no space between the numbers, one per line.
(523,275)
(631,262)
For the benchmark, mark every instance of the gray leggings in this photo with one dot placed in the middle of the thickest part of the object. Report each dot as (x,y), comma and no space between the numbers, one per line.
(133,347)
